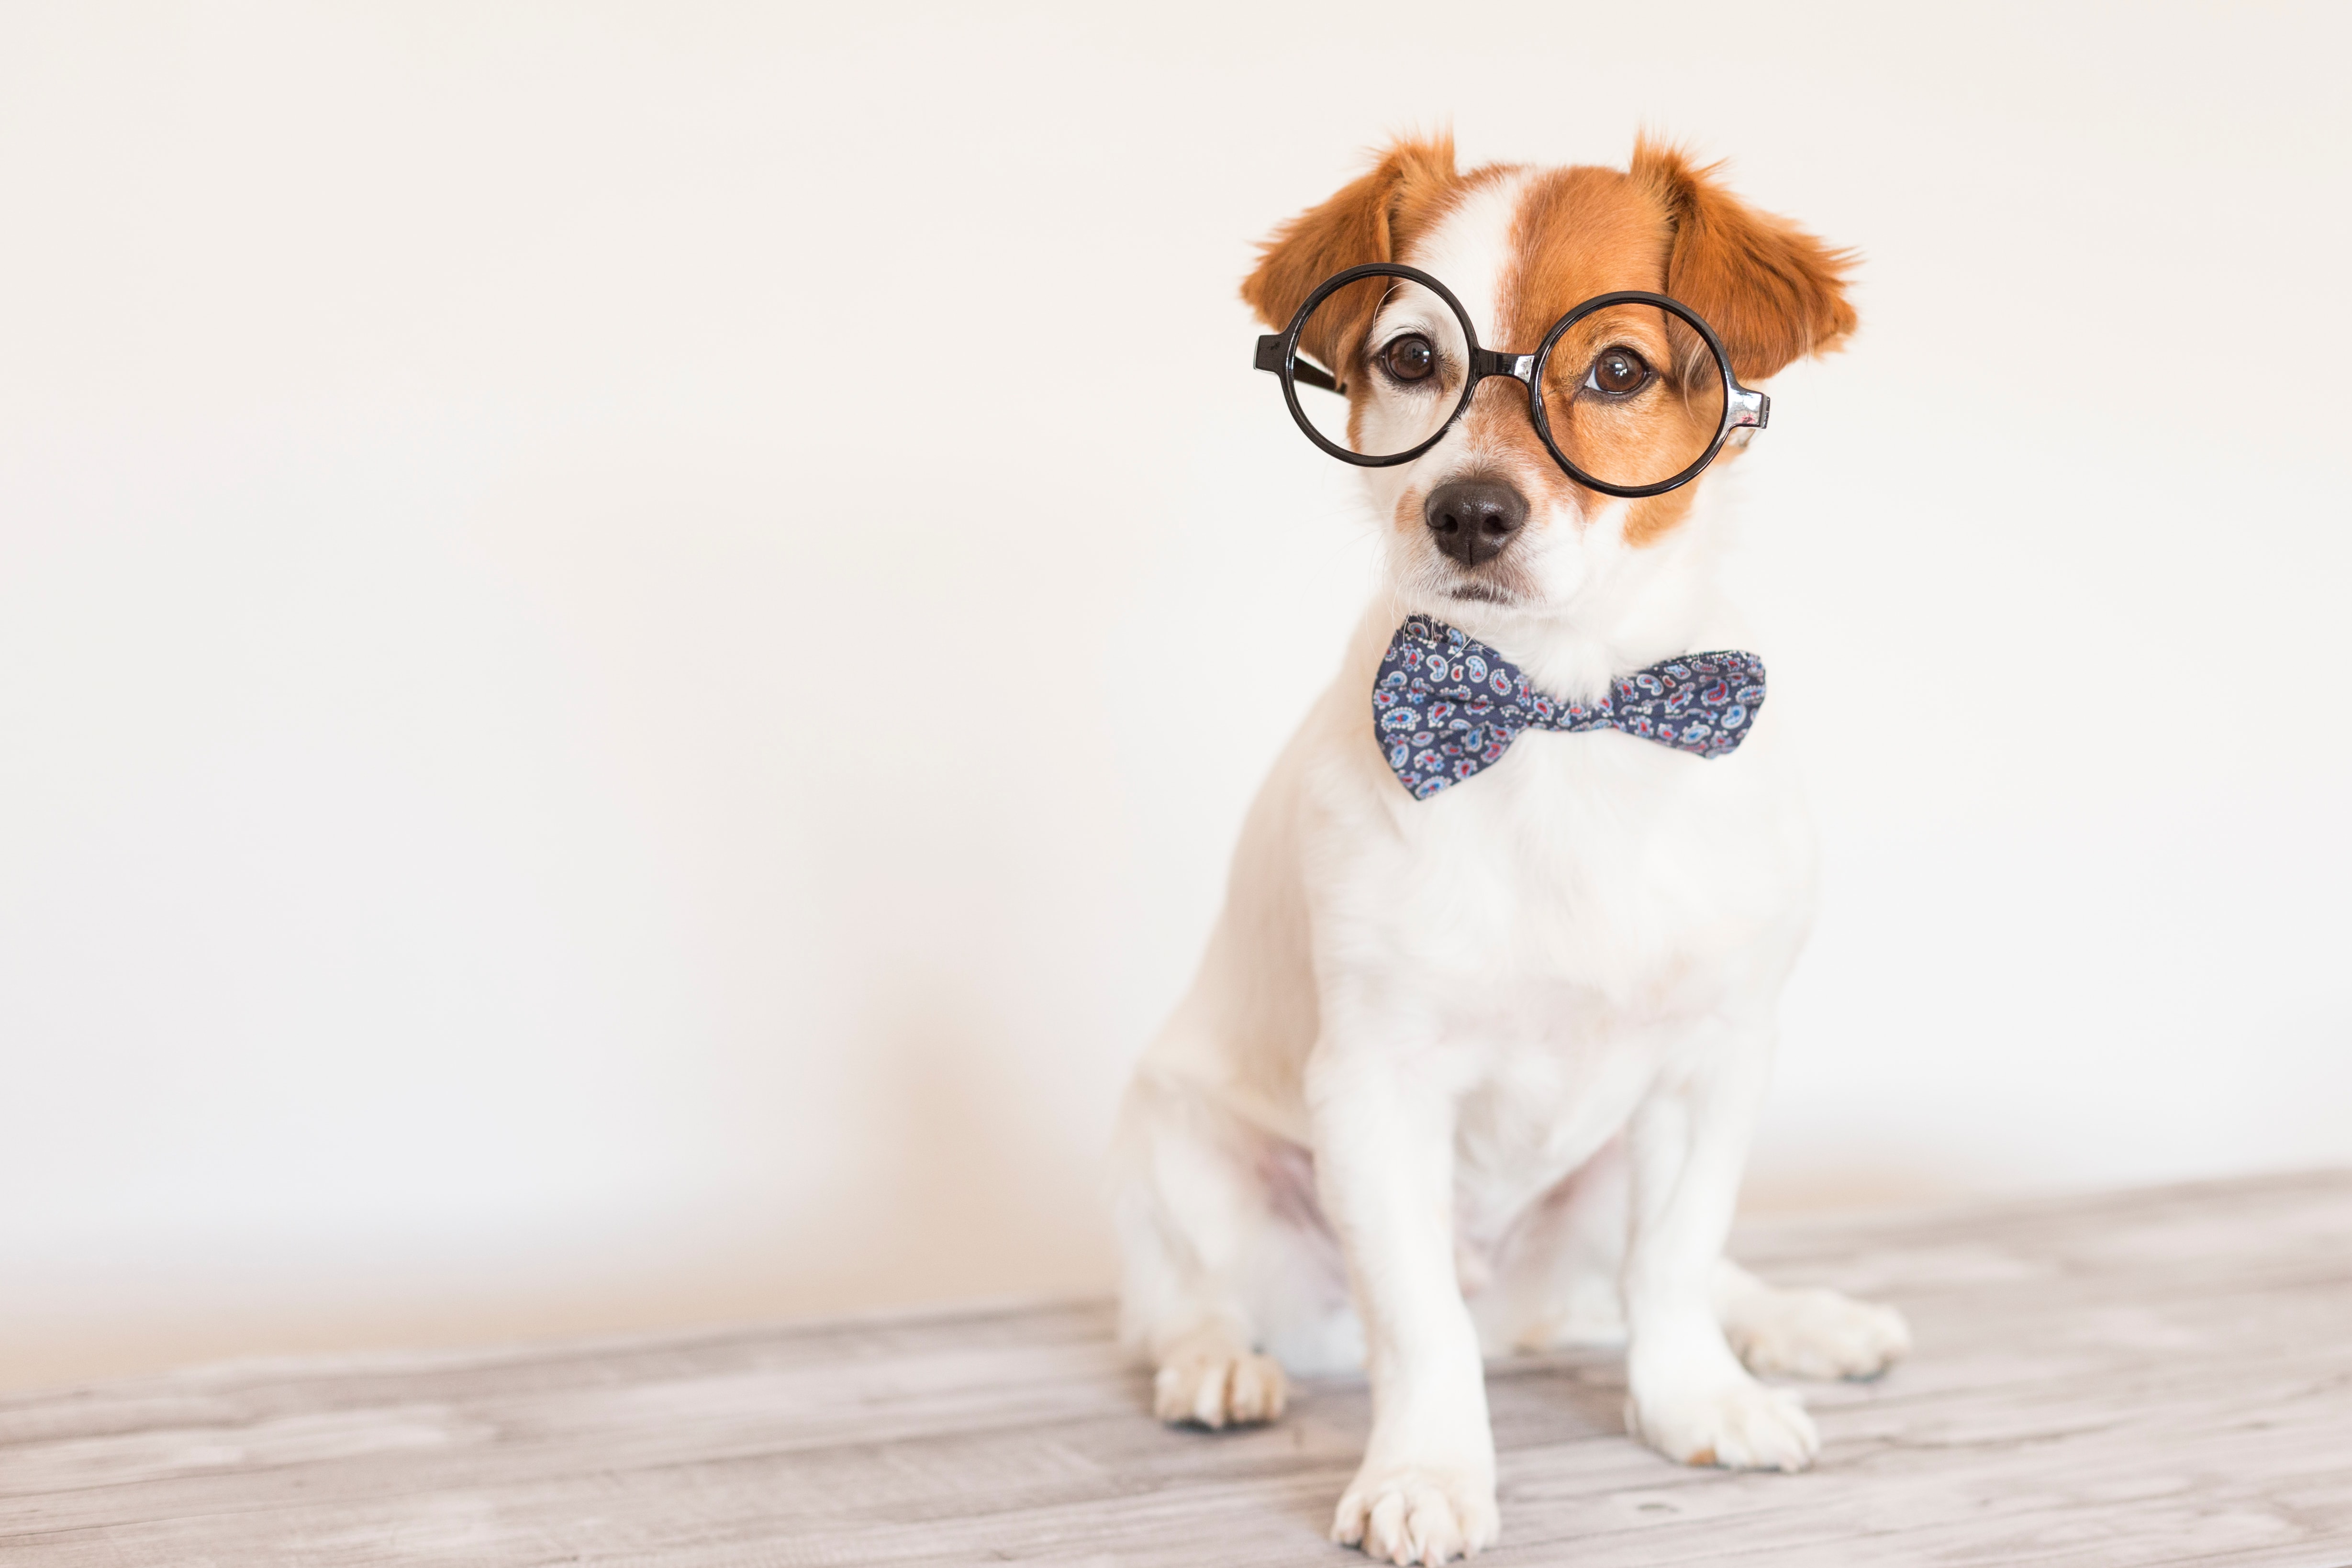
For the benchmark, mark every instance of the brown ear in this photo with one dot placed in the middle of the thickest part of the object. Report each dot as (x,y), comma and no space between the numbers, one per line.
(1772,291)
(1362,224)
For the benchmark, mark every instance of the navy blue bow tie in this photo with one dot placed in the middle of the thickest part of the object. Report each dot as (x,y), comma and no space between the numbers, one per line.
(1445,707)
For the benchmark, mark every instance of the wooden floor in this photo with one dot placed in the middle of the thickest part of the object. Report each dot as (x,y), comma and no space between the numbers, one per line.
(2161,1377)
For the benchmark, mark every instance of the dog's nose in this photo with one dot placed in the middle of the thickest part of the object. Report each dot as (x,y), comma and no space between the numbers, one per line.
(1474,518)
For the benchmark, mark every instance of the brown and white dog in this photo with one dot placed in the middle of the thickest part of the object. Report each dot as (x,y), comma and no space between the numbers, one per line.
(1478,1072)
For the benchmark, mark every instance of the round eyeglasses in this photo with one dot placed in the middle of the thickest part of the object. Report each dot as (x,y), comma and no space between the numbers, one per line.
(1631,392)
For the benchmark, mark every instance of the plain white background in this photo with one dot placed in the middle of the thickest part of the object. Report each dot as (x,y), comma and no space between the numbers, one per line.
(632,637)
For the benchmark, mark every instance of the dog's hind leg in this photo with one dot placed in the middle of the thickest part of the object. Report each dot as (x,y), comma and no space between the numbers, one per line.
(1556,1277)
(1558,1287)
(1805,1333)
(1194,1215)
(1575,1248)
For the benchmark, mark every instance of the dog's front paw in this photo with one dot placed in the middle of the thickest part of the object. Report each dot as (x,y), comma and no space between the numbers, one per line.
(1734,1421)
(1215,1386)
(1416,1513)
(1816,1333)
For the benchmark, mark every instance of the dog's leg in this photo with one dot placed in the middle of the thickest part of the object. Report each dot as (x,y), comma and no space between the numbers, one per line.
(1806,1333)
(1688,1396)
(1384,1162)
(1187,1209)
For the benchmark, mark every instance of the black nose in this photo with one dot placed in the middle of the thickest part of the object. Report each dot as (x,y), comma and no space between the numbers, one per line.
(1474,518)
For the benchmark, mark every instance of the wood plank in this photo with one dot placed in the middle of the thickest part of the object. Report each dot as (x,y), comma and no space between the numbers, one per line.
(2142,1378)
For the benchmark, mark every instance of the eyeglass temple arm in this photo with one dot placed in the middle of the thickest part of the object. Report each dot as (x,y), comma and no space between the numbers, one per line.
(1269,357)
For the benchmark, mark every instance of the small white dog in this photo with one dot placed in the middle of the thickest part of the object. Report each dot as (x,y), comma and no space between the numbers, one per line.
(1476,1071)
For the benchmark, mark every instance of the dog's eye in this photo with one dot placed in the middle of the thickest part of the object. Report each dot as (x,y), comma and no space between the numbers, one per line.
(1410,358)
(1618,373)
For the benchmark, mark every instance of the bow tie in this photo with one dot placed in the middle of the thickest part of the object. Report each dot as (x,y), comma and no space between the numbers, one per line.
(1445,707)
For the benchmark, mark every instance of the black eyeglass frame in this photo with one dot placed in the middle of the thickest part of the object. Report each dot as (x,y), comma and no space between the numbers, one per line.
(1278,352)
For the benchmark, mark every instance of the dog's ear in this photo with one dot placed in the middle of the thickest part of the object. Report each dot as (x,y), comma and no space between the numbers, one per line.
(1365,222)
(1772,291)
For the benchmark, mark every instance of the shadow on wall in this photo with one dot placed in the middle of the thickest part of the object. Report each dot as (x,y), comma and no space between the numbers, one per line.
(957,1193)
(962,1186)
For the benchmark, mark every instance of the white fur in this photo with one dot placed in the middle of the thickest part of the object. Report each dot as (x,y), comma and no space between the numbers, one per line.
(1478,1072)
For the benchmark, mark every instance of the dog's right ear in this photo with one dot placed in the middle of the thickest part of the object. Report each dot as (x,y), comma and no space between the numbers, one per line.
(1775,292)
(1358,225)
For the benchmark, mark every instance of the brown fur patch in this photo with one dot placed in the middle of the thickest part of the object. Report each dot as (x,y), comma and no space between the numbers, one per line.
(1577,233)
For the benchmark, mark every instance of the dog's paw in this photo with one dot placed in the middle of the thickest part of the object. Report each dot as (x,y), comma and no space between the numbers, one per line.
(1735,1422)
(1214,1387)
(1414,1513)
(1816,1333)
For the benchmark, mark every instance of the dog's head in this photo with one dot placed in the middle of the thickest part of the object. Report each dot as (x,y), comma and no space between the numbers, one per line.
(1485,515)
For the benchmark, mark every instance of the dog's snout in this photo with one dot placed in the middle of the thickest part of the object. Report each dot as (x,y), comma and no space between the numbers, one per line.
(1474,518)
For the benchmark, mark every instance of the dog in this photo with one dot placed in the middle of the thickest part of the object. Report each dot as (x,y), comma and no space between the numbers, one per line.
(1477,1072)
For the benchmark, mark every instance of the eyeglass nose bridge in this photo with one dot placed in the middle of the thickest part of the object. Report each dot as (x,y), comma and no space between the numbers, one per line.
(1485,362)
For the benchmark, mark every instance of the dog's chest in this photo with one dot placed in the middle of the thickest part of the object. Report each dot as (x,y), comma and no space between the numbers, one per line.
(1586,878)
(1563,921)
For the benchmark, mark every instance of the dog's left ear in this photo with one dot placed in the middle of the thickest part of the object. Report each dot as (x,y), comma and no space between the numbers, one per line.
(1772,291)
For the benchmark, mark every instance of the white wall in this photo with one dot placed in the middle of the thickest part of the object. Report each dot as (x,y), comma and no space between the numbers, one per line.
(602,715)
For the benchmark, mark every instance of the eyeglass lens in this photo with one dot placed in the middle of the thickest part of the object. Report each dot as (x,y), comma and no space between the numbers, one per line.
(1633,395)
(1399,357)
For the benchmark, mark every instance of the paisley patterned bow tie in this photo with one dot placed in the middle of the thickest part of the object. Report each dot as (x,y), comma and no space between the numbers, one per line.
(1445,707)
